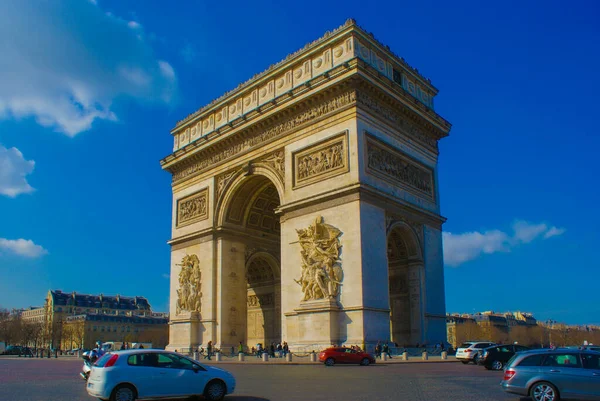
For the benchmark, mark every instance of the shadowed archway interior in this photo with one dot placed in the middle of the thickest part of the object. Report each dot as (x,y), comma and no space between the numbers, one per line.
(400,307)
(252,209)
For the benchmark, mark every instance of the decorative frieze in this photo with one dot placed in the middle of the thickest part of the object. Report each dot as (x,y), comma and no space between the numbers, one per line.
(398,121)
(260,137)
(392,165)
(323,160)
(192,208)
(276,160)
(222,181)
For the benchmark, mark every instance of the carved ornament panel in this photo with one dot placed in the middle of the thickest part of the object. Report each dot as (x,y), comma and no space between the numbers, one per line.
(192,208)
(321,161)
(398,168)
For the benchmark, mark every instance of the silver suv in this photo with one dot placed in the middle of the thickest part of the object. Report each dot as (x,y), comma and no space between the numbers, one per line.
(550,375)
(468,351)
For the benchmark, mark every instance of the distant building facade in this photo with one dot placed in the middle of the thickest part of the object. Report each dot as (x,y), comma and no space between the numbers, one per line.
(83,331)
(60,306)
(492,326)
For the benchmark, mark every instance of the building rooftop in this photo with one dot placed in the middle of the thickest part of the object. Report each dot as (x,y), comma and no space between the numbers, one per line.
(118,318)
(99,301)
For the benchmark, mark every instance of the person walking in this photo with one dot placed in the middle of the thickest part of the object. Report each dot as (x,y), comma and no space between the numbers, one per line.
(209,349)
(378,350)
(240,348)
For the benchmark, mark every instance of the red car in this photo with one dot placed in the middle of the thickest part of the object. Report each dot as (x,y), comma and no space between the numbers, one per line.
(334,355)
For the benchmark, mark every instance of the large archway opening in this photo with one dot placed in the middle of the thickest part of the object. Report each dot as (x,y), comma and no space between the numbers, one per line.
(404,273)
(251,213)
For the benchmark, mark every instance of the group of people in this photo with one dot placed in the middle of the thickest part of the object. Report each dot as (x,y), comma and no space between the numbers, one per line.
(279,350)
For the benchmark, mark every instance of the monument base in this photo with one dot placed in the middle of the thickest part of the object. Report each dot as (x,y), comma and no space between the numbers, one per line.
(314,325)
(185,332)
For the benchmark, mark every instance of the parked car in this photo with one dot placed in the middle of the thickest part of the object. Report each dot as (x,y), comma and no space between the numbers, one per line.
(18,350)
(143,373)
(550,375)
(496,356)
(334,355)
(467,352)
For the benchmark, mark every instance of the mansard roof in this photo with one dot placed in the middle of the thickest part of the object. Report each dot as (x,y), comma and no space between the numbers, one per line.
(99,301)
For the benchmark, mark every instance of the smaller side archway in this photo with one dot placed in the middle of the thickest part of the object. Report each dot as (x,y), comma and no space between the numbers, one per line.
(405,275)
(263,278)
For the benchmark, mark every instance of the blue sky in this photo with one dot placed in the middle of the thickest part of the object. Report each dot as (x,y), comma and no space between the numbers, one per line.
(89,92)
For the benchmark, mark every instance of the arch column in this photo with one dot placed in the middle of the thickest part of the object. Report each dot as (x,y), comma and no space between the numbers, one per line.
(415,293)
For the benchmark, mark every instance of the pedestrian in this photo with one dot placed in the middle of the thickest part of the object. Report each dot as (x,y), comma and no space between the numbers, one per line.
(232,351)
(286,349)
(240,348)
(378,350)
(386,350)
(209,348)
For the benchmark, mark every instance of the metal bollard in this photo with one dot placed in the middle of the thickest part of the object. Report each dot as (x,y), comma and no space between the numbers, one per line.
(313,357)
(265,357)
(288,357)
(384,356)
(218,357)
(55,354)
(49,352)
(405,356)
(444,355)
(241,357)
(424,356)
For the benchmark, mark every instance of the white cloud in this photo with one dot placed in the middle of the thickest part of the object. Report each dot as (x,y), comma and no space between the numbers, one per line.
(22,247)
(553,232)
(461,248)
(13,172)
(166,275)
(67,61)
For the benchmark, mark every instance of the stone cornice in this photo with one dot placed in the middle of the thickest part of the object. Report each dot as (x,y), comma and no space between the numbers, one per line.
(357,89)
(363,192)
(349,29)
(296,117)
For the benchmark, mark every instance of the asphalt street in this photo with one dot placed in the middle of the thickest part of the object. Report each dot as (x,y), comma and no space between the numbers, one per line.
(58,379)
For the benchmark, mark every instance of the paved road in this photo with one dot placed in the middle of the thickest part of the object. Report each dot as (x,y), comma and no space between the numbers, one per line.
(57,379)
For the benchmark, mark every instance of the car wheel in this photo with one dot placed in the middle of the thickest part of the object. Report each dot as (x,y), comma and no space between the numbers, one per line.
(544,391)
(365,362)
(464,362)
(215,390)
(475,359)
(329,362)
(497,365)
(123,392)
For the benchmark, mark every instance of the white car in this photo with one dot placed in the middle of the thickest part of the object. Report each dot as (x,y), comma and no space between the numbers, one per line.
(468,351)
(150,373)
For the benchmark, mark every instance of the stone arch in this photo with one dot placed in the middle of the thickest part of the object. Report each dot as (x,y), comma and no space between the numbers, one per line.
(239,180)
(409,237)
(405,279)
(263,307)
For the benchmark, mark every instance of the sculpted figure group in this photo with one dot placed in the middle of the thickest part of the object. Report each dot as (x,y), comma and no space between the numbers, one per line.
(321,271)
(189,295)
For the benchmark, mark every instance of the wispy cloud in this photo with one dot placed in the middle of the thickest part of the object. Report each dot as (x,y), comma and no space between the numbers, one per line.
(188,53)
(67,72)
(13,172)
(21,247)
(166,276)
(461,248)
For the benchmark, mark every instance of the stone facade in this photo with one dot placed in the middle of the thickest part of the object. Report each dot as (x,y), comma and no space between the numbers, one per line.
(308,196)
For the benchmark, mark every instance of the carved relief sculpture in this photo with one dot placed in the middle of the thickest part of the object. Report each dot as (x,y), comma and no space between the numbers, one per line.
(321,270)
(321,161)
(189,295)
(192,208)
(393,165)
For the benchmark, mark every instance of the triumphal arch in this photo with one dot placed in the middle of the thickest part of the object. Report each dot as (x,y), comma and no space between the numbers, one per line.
(306,205)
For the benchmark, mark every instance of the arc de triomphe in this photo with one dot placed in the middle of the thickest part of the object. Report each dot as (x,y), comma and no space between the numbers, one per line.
(306,207)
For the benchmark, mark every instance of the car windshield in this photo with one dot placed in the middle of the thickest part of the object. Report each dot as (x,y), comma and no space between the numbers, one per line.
(511,360)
